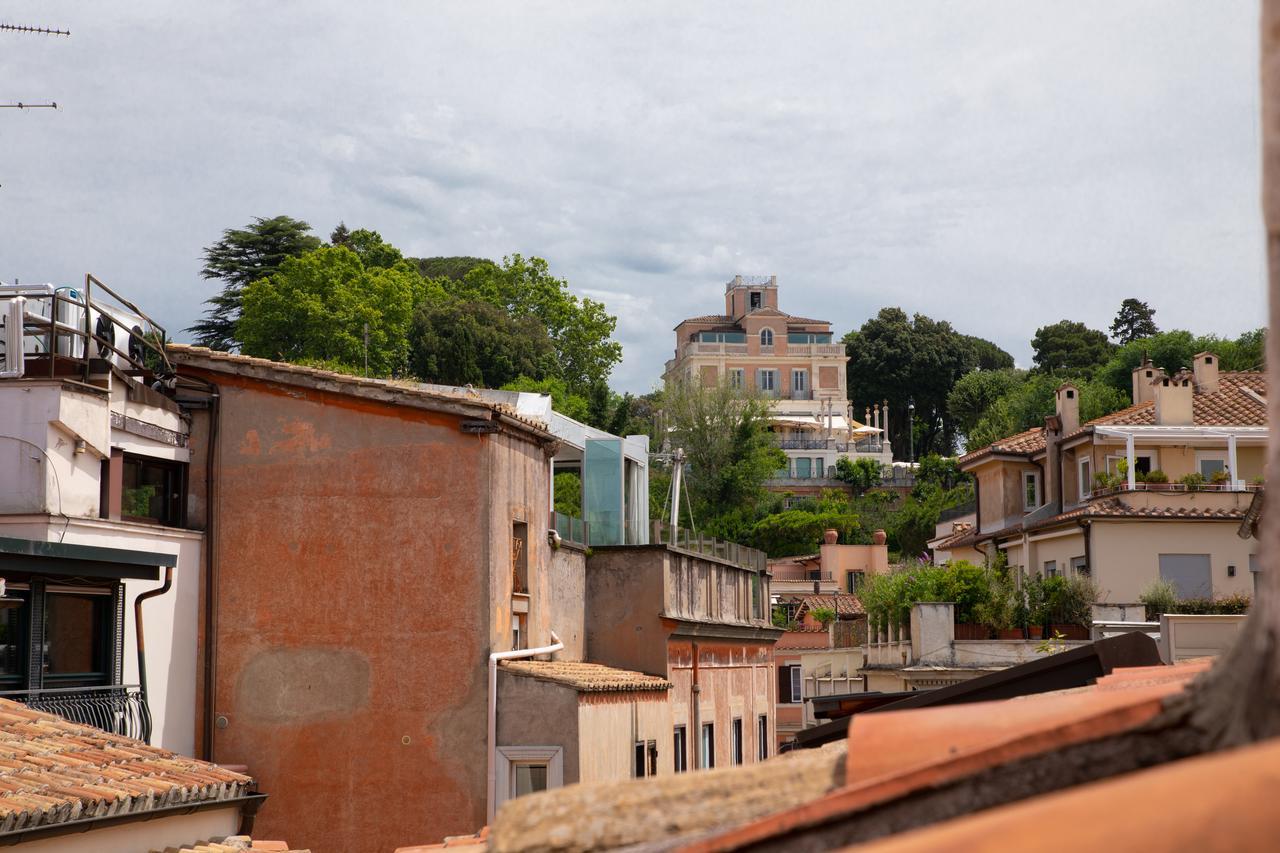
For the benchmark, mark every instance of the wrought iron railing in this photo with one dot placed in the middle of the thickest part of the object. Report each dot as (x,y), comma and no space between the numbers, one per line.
(804,443)
(120,709)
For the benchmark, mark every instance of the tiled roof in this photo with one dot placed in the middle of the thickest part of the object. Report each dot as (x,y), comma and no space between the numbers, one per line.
(586,677)
(53,771)
(708,318)
(1115,508)
(963,531)
(842,603)
(389,390)
(1230,405)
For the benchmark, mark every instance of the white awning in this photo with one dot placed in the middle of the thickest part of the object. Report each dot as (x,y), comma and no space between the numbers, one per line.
(796,421)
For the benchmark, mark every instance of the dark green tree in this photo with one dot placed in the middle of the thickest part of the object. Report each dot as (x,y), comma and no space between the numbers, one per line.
(451,268)
(1173,350)
(244,255)
(563,400)
(340,235)
(1070,346)
(988,355)
(900,359)
(861,474)
(476,343)
(1135,320)
(976,392)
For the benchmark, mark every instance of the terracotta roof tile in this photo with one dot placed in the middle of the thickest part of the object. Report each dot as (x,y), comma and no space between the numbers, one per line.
(1115,508)
(1024,443)
(53,770)
(585,677)
(843,604)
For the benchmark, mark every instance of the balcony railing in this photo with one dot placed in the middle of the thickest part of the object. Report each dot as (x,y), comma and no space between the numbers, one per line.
(571,528)
(804,443)
(800,395)
(120,709)
(685,540)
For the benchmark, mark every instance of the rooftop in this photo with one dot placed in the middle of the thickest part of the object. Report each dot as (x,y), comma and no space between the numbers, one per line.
(585,677)
(1239,401)
(53,771)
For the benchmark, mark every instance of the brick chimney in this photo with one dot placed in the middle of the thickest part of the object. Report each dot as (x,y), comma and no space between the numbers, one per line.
(1205,367)
(1067,406)
(1143,375)
(1173,399)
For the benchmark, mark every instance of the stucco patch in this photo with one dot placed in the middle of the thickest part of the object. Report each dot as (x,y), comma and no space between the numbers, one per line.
(300,437)
(250,446)
(301,685)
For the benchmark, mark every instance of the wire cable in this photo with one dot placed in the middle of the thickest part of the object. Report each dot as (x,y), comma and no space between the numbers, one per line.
(56,481)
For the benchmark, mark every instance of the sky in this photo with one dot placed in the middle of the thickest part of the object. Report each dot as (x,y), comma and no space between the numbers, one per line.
(1001,165)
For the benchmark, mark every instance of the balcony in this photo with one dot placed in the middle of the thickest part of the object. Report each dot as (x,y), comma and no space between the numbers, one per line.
(805,443)
(815,349)
(800,395)
(120,709)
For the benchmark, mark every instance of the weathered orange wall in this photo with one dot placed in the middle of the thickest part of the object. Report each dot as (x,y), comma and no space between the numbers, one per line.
(357,542)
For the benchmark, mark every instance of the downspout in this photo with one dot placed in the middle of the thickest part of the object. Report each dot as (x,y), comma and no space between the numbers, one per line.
(210,577)
(514,654)
(700,760)
(142,646)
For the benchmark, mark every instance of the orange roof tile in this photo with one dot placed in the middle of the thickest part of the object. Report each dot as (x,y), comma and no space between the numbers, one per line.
(54,771)
(585,677)
(842,603)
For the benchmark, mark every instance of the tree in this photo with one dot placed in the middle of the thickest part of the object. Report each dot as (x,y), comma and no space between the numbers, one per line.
(861,474)
(1027,404)
(976,392)
(580,328)
(451,268)
(943,471)
(568,491)
(724,432)
(340,235)
(476,343)
(323,306)
(373,250)
(244,255)
(1135,320)
(1173,350)
(1067,345)
(900,359)
(988,355)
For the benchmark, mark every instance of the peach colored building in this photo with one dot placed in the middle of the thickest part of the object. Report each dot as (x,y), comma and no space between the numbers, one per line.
(790,360)
(1153,491)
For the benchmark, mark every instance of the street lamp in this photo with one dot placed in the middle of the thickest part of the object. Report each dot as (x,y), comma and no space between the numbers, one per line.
(911,430)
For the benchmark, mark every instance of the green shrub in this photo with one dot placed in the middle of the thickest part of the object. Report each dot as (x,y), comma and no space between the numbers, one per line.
(1156,476)
(824,615)
(1220,477)
(1194,480)
(1159,596)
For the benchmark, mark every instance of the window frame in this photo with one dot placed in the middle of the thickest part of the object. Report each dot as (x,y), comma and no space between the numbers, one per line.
(801,374)
(771,374)
(755,299)
(736,751)
(762,736)
(680,748)
(1085,477)
(736,376)
(175,486)
(795,685)
(766,337)
(1151,456)
(1031,478)
(1203,456)
(1080,566)
(1050,568)
(707,746)
(509,757)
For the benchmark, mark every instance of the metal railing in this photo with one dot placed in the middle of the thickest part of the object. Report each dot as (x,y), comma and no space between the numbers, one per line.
(804,443)
(685,540)
(120,709)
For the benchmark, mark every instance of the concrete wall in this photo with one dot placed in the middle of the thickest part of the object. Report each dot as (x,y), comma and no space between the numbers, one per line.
(364,576)
(1126,555)
(610,724)
(736,679)
(568,614)
(841,560)
(624,608)
(539,713)
(41,473)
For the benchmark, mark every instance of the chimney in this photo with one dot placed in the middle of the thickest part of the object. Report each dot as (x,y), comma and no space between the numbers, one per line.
(1067,406)
(1205,367)
(1173,399)
(1143,375)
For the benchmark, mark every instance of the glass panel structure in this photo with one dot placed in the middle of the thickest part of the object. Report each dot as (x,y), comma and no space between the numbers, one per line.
(602,490)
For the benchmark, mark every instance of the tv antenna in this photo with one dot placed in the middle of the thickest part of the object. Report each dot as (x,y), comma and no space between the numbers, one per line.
(37,31)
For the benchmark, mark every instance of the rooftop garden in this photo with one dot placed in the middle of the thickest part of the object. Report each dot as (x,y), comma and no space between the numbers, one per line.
(1161,596)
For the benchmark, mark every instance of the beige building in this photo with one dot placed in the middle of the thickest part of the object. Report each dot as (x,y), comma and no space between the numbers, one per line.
(1108,498)
(791,360)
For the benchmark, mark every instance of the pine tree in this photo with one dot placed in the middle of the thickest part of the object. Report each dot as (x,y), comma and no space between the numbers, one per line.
(1134,321)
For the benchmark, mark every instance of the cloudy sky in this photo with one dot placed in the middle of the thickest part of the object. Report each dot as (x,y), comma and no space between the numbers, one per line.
(1000,165)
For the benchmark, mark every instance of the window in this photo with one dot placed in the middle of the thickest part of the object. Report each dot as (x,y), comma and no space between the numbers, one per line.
(762,737)
(517,631)
(808,337)
(519,557)
(13,645)
(803,468)
(71,642)
(799,380)
(1079,567)
(766,337)
(1143,463)
(853,581)
(767,379)
(527,770)
(790,691)
(1030,490)
(1051,568)
(1210,463)
(737,740)
(756,299)
(645,761)
(153,490)
(1085,467)
(708,755)
(680,750)
(722,337)
(735,377)
(1189,573)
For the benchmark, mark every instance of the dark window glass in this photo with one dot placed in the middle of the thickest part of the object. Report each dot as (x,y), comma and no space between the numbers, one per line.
(737,741)
(755,299)
(680,754)
(763,736)
(77,648)
(708,745)
(152,490)
(13,645)
(638,763)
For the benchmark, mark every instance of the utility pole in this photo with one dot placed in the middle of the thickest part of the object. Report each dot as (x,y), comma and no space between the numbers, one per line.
(677,475)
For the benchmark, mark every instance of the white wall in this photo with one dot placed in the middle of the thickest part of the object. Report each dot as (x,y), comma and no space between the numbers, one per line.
(171,621)
(162,833)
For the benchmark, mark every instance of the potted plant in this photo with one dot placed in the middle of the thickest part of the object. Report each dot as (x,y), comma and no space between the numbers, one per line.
(1157,480)
(1158,597)
(1194,480)
(1037,613)
(1220,478)
(1070,607)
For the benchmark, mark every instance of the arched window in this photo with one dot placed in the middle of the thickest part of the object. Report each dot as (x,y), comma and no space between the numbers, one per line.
(766,337)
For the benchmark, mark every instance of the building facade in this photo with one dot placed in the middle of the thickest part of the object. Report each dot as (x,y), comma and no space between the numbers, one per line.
(794,363)
(1154,491)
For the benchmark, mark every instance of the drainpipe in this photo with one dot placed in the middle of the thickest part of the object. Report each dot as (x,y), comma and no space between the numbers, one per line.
(514,654)
(700,760)
(142,645)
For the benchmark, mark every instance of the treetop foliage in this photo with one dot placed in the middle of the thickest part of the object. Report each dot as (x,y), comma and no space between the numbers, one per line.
(1068,345)
(1135,320)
